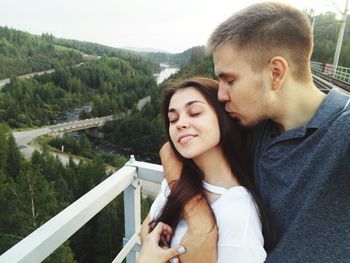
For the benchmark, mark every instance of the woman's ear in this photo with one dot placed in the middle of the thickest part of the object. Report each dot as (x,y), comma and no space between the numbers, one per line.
(279,69)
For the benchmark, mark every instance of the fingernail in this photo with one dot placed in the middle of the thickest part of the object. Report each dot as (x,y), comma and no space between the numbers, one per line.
(174,260)
(181,250)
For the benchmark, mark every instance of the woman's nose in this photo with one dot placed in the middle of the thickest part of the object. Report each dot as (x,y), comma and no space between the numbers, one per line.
(182,124)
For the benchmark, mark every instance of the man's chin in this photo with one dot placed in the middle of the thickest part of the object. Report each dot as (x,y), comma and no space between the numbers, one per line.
(244,122)
(247,124)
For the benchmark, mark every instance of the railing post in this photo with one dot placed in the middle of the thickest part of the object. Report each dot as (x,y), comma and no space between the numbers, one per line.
(132,212)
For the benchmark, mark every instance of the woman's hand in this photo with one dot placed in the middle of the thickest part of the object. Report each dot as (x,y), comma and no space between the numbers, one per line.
(151,252)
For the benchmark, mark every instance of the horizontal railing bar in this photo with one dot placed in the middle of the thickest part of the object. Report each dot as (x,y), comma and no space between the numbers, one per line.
(43,241)
(127,248)
(149,171)
(337,72)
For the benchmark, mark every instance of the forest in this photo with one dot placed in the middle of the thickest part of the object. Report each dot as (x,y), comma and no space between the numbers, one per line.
(326,31)
(113,85)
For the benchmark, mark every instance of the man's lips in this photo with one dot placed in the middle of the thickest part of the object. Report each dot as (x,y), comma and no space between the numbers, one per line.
(230,112)
(183,139)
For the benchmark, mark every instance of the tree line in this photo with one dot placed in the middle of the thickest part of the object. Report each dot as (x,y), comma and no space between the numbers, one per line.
(177,60)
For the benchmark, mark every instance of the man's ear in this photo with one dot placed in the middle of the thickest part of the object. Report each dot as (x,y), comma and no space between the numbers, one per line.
(278,70)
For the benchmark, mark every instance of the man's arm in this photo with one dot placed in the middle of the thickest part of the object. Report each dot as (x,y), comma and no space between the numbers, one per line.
(200,239)
(145,228)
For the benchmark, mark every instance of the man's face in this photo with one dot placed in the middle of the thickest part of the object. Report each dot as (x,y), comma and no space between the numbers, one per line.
(241,89)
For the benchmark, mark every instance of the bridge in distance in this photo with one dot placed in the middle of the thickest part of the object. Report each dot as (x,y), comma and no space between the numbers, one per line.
(23,138)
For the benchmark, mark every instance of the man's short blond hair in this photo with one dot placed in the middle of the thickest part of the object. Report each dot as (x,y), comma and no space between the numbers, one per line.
(266,30)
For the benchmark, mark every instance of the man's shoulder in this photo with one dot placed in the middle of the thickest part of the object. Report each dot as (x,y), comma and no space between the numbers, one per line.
(341,130)
(336,130)
(341,120)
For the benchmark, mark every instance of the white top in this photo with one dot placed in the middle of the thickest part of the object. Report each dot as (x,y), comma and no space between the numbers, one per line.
(239,229)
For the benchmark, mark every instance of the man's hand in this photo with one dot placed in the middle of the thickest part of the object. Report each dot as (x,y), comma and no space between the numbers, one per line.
(171,164)
(151,252)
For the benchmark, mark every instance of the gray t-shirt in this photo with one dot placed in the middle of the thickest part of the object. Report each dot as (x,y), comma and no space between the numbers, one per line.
(303,176)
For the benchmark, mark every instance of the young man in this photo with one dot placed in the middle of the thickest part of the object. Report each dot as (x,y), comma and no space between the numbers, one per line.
(300,144)
(299,141)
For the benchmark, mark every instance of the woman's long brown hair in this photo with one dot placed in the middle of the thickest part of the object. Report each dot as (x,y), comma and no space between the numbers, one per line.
(233,143)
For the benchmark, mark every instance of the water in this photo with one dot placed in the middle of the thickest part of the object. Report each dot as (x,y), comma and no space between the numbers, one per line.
(166,72)
(72,115)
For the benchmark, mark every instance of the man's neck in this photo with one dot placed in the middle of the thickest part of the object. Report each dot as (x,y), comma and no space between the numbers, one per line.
(297,105)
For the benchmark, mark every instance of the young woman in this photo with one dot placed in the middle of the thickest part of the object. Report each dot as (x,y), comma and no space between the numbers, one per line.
(212,148)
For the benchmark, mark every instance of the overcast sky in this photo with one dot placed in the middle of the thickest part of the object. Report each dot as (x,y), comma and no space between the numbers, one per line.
(172,26)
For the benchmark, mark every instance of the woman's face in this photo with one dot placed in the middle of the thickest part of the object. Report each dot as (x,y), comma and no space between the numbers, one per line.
(194,127)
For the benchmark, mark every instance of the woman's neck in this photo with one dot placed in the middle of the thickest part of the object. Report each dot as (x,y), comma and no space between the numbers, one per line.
(215,168)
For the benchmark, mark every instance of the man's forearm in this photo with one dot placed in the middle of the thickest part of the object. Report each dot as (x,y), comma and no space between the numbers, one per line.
(200,239)
(145,228)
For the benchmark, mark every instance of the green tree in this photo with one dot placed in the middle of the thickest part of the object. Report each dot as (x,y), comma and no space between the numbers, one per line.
(13,158)
(85,145)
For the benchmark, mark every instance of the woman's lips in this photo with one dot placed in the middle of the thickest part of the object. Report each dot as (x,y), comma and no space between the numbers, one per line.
(183,139)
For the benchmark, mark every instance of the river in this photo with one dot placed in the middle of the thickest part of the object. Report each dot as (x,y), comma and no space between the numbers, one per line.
(166,72)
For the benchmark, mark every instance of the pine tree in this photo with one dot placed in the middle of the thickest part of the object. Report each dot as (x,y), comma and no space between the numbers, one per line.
(3,148)
(13,158)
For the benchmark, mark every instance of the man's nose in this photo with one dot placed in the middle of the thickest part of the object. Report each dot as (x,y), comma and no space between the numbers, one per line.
(223,95)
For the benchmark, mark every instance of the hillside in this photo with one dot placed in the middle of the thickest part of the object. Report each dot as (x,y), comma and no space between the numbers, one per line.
(22,53)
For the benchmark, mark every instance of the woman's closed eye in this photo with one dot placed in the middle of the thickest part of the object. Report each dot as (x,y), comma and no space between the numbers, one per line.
(194,114)
(194,110)
(173,117)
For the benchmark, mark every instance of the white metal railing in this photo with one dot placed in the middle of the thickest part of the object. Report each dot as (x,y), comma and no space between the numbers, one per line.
(340,73)
(47,238)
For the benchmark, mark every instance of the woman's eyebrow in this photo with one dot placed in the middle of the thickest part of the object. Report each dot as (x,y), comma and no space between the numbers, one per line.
(187,105)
